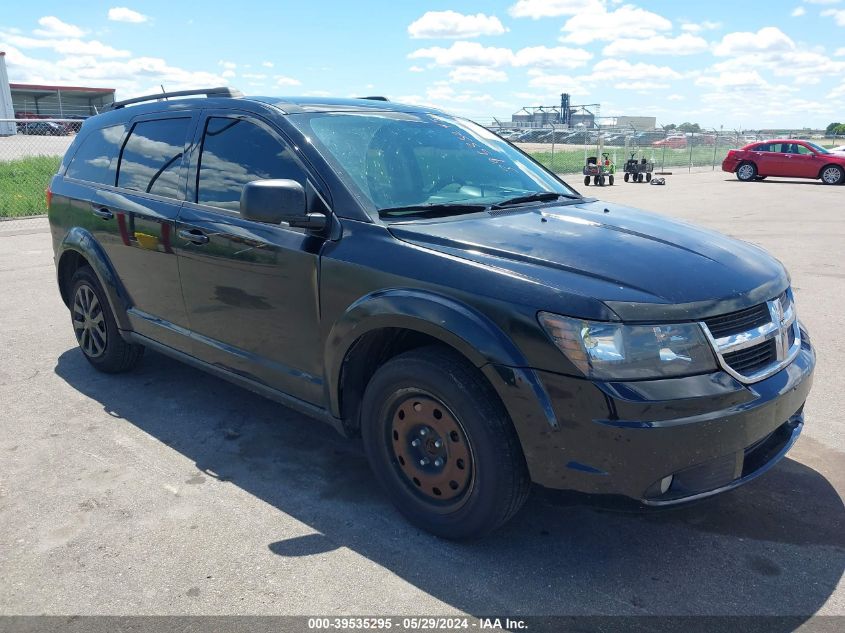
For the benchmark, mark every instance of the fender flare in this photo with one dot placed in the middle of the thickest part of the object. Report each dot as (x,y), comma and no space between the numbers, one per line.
(455,324)
(81,241)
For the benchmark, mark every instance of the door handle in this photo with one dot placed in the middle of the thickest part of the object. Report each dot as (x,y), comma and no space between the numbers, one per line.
(194,236)
(102,212)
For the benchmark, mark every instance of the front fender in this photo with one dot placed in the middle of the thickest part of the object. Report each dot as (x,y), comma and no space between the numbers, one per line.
(455,324)
(81,241)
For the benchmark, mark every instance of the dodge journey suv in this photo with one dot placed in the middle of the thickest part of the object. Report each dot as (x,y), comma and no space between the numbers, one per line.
(411,278)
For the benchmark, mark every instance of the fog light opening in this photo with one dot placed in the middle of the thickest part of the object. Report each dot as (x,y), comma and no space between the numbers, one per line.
(666,483)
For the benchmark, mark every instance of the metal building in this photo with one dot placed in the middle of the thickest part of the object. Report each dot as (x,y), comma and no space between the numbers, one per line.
(32,100)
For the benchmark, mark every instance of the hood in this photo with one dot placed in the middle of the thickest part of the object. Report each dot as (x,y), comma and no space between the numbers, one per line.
(643,266)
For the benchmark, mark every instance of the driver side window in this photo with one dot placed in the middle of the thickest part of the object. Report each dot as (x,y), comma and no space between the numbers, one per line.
(236,151)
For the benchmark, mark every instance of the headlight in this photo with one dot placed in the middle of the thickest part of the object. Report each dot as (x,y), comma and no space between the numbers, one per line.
(615,351)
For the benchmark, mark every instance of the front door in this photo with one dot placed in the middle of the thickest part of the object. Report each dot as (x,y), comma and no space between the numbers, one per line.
(251,289)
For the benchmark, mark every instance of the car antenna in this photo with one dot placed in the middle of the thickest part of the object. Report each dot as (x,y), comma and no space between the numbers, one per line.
(163,90)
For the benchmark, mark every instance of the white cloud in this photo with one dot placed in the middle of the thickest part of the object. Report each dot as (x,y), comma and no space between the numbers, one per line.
(622,69)
(556,57)
(454,25)
(479,75)
(698,27)
(282,80)
(838,15)
(766,40)
(228,73)
(642,86)
(124,14)
(822,1)
(537,9)
(416,69)
(684,44)
(555,84)
(797,12)
(465,54)
(675,97)
(64,46)
(267,64)
(54,27)
(738,80)
(840,52)
(597,23)
(227,65)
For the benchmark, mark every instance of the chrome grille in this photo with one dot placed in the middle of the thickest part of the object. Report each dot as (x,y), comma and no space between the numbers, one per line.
(754,343)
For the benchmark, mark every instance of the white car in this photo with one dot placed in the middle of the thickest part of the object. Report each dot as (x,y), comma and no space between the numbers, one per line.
(838,150)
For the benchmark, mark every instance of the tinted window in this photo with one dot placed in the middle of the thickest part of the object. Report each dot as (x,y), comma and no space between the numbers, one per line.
(765,147)
(235,152)
(96,159)
(152,157)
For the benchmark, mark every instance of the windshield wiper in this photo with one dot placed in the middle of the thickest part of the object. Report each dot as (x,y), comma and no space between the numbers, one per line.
(539,196)
(432,210)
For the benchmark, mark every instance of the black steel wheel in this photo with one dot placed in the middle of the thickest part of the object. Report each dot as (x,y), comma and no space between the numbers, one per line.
(648,176)
(610,180)
(95,328)
(627,175)
(587,180)
(442,445)
(640,178)
(596,179)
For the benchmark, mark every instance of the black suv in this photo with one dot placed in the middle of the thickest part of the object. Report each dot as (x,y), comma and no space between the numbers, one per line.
(410,277)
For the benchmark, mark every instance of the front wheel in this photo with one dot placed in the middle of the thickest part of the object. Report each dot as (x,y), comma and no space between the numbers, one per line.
(95,327)
(648,177)
(626,176)
(587,181)
(746,172)
(833,175)
(610,180)
(442,445)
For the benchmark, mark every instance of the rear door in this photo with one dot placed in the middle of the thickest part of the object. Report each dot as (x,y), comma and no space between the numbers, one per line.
(133,215)
(251,289)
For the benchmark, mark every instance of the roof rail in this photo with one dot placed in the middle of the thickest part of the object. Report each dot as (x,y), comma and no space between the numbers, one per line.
(375,98)
(208,92)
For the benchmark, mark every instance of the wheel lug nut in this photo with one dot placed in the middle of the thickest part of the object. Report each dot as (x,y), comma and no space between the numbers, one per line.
(415,443)
(423,432)
(438,462)
(423,462)
(438,443)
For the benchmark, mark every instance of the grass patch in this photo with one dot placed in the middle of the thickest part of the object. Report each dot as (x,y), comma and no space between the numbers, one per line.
(22,185)
(572,162)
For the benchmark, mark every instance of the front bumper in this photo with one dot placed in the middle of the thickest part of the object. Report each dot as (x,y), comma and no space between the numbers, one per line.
(709,432)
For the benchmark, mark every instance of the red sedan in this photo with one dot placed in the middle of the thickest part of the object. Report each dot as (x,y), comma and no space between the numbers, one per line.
(785,157)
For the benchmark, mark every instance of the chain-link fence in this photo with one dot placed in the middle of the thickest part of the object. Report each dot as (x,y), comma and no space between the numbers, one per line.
(30,153)
(566,150)
(31,150)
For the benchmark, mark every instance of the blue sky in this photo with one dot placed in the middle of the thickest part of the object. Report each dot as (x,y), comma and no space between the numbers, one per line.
(737,64)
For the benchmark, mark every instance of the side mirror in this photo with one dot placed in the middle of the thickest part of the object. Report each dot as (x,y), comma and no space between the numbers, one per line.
(276,201)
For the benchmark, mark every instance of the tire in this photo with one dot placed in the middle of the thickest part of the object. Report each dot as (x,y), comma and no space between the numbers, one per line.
(833,175)
(626,177)
(759,177)
(648,177)
(470,483)
(610,180)
(595,180)
(746,172)
(95,328)
(587,181)
(601,181)
(639,177)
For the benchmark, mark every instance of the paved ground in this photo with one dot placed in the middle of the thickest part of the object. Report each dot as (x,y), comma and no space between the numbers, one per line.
(167,491)
(22,145)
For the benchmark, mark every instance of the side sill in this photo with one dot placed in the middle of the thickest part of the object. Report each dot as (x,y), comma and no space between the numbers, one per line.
(262,390)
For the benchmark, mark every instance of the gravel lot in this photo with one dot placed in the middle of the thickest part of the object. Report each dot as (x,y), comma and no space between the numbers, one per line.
(168,491)
(23,145)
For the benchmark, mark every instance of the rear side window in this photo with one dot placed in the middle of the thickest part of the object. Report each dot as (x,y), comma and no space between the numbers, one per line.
(96,159)
(235,152)
(765,147)
(151,160)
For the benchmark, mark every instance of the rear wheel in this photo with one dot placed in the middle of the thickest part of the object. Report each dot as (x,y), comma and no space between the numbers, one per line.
(587,180)
(610,180)
(626,176)
(442,445)
(639,177)
(95,327)
(595,180)
(832,175)
(648,177)
(746,172)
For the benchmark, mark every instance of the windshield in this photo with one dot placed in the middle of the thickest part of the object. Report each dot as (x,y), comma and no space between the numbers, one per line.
(817,148)
(398,160)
